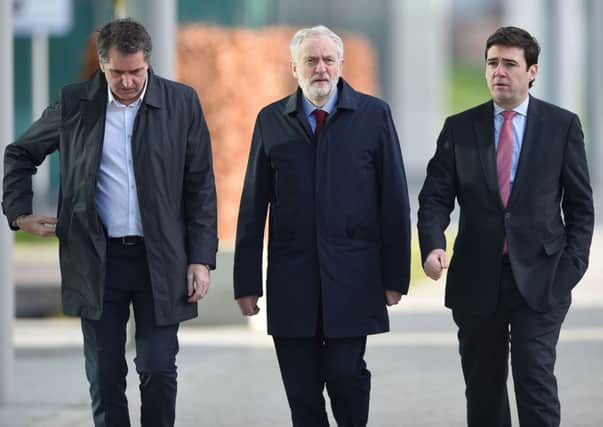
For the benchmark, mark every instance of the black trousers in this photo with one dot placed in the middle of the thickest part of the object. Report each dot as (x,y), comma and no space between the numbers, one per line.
(127,282)
(308,364)
(531,337)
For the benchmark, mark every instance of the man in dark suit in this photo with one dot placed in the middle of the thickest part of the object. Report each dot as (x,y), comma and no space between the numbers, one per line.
(136,218)
(517,168)
(326,161)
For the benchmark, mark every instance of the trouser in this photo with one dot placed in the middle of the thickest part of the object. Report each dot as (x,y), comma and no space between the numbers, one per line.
(128,282)
(531,337)
(308,364)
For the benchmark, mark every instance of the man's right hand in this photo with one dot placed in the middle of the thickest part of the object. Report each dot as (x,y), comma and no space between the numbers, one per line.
(38,225)
(249,305)
(435,263)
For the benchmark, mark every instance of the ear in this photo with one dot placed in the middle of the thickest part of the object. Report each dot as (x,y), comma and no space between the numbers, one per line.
(293,68)
(532,71)
(101,65)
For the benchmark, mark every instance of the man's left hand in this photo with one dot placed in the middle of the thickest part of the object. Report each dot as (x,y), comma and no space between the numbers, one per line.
(197,281)
(392,297)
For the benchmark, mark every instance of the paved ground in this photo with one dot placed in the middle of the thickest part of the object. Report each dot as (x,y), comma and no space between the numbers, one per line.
(228,376)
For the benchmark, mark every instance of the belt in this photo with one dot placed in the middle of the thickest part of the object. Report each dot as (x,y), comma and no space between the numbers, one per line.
(127,240)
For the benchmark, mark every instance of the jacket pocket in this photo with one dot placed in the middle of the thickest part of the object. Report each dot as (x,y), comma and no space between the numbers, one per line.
(554,244)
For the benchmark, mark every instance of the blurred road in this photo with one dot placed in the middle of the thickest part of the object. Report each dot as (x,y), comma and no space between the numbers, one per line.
(228,376)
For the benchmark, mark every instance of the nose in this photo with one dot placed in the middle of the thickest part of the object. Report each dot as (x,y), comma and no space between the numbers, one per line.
(500,70)
(321,66)
(126,81)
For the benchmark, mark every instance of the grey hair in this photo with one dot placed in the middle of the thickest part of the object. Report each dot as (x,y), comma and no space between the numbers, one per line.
(319,30)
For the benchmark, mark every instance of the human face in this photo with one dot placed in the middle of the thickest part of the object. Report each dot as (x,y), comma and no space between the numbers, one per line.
(126,74)
(508,75)
(317,68)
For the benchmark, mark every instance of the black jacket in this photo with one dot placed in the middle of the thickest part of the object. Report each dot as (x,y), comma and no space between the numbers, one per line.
(175,184)
(548,222)
(339,227)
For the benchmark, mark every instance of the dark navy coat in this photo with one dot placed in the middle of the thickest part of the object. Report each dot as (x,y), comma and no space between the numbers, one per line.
(339,227)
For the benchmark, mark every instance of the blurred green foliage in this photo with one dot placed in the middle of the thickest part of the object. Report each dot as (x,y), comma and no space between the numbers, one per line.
(22,237)
(467,87)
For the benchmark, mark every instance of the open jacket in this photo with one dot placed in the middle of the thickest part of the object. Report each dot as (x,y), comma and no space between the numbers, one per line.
(175,184)
(548,222)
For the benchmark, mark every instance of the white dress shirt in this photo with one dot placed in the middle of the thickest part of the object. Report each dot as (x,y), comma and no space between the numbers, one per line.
(116,196)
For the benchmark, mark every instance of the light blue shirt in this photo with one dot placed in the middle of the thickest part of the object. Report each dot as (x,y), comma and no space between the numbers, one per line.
(519,127)
(328,107)
(116,197)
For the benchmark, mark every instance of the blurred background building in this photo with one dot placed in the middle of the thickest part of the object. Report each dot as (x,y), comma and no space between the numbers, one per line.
(428,54)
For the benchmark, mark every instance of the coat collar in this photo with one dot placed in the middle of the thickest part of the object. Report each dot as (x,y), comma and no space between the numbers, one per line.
(96,89)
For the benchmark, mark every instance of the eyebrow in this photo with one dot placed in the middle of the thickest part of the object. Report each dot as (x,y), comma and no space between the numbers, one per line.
(496,58)
(136,70)
(319,56)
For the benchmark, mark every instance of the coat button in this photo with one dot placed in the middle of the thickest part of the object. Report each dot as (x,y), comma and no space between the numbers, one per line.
(507,215)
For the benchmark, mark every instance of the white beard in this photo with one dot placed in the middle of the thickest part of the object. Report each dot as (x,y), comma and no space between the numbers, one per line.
(313,92)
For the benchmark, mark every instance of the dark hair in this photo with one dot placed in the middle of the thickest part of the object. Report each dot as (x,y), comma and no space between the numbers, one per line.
(515,37)
(125,35)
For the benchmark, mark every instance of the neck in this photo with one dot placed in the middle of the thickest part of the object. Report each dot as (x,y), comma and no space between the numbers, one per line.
(318,103)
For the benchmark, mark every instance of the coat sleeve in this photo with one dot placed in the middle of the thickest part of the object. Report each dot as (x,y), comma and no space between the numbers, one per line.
(22,157)
(437,197)
(577,203)
(252,220)
(199,191)
(395,211)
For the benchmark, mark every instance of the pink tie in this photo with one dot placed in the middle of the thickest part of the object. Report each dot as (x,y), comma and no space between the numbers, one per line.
(504,155)
(320,120)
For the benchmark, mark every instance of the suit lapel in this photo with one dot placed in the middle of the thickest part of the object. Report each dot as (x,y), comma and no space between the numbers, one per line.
(484,137)
(534,125)
(294,113)
(94,106)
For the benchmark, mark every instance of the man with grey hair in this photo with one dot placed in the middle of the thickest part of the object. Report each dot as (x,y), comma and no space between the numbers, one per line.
(136,220)
(326,162)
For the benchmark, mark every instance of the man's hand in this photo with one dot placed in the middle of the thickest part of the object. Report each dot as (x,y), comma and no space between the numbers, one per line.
(197,280)
(435,263)
(38,225)
(249,305)
(392,297)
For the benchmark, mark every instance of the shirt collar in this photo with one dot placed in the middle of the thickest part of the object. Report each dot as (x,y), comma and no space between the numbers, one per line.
(520,109)
(112,100)
(328,107)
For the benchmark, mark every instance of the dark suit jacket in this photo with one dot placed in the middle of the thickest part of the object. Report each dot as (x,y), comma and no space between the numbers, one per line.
(175,183)
(339,229)
(548,222)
